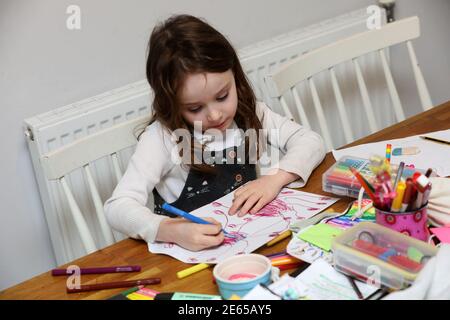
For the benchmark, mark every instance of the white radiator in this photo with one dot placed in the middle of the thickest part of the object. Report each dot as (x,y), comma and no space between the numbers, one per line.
(51,130)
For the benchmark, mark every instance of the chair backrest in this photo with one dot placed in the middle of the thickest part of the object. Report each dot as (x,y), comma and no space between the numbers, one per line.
(82,153)
(285,80)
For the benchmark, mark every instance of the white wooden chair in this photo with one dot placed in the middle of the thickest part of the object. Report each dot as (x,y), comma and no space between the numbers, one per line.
(82,153)
(290,75)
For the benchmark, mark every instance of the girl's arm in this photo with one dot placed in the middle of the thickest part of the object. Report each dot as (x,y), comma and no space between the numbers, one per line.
(126,210)
(302,149)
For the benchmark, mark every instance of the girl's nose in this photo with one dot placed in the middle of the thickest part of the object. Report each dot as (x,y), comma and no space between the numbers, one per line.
(214,115)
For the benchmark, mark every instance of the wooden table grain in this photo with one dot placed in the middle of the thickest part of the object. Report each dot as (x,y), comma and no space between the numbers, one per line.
(134,252)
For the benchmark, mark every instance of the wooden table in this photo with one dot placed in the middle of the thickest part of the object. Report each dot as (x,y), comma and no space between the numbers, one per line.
(134,252)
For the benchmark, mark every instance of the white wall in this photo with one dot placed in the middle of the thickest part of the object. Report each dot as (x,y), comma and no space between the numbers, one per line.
(432,50)
(43,65)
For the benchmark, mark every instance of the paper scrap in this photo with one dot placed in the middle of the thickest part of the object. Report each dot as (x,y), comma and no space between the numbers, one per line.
(320,235)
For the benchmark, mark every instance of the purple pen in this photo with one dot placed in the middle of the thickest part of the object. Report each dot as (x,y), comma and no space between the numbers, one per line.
(64,272)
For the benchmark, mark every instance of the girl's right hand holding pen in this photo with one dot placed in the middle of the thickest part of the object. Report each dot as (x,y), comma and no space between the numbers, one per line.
(190,235)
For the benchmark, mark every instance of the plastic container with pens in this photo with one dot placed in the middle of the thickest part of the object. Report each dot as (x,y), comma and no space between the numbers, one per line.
(407,213)
(380,256)
(400,205)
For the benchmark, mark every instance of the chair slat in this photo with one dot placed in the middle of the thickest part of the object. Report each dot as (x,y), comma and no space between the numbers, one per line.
(373,126)
(106,231)
(80,222)
(341,107)
(320,115)
(424,95)
(285,107)
(116,166)
(391,87)
(261,73)
(298,103)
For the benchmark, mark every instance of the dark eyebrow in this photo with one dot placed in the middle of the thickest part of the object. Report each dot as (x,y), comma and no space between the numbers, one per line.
(196,103)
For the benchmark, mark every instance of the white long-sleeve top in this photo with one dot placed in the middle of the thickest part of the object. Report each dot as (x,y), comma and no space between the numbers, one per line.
(154,166)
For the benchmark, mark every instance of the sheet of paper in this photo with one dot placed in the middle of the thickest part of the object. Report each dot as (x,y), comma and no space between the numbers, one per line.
(307,252)
(321,235)
(320,281)
(432,155)
(260,293)
(443,234)
(251,230)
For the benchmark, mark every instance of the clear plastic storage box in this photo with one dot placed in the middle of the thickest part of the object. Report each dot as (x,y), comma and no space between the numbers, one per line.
(340,180)
(373,253)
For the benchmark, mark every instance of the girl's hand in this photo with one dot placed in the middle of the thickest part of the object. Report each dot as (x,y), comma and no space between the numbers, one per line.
(254,195)
(190,235)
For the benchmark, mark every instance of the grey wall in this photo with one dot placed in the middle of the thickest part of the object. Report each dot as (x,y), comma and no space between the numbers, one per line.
(43,65)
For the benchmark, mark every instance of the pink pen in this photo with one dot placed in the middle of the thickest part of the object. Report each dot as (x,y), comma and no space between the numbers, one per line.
(99,270)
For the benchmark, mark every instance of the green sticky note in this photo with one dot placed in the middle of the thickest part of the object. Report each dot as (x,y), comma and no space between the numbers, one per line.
(321,235)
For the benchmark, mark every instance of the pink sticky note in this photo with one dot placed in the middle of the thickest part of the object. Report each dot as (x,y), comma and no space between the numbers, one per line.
(443,234)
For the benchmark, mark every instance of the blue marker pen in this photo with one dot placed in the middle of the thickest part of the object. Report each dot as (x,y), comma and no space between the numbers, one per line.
(167,207)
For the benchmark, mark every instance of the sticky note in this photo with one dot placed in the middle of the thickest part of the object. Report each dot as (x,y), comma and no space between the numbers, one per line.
(443,234)
(320,235)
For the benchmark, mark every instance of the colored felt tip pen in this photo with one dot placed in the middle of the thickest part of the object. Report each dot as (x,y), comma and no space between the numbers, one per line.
(191,270)
(99,270)
(421,181)
(167,207)
(397,203)
(407,194)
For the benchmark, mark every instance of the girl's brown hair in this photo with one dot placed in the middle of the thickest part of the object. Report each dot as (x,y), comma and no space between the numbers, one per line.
(182,45)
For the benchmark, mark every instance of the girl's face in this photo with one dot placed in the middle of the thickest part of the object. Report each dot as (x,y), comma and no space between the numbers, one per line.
(210,98)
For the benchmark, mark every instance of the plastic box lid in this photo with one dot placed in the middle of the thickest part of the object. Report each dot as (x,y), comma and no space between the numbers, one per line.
(380,255)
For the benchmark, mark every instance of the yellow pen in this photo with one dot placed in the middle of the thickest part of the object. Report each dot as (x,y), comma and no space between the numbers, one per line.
(187,272)
(397,203)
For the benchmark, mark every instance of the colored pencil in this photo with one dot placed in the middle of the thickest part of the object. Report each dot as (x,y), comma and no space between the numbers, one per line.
(363,183)
(280,237)
(280,262)
(436,140)
(355,287)
(289,266)
(272,255)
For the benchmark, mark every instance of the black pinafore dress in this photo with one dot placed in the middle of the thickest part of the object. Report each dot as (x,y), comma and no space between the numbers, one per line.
(201,189)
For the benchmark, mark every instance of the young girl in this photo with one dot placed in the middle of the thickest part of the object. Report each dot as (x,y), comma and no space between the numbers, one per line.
(197,79)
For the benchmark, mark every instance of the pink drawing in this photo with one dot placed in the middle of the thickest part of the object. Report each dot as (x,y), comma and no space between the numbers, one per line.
(252,230)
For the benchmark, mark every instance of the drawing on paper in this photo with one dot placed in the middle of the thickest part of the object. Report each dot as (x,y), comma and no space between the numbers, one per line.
(252,230)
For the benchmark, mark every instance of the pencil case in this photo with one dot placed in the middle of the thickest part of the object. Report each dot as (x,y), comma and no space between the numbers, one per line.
(380,256)
(339,180)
